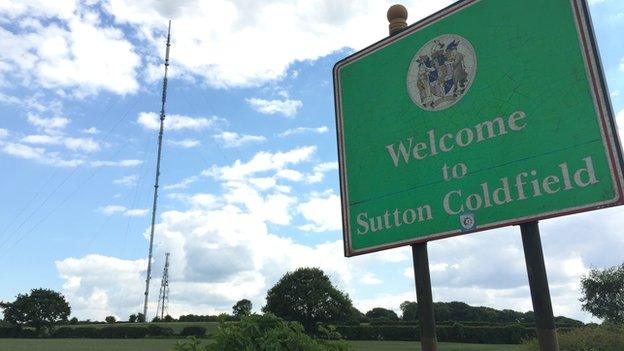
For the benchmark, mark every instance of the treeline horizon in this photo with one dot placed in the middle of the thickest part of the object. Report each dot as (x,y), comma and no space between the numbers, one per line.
(454,311)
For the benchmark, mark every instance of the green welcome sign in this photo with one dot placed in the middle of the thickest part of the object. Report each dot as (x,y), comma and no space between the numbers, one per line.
(486,114)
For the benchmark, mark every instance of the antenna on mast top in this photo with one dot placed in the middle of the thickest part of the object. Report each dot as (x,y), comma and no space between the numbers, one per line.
(160,137)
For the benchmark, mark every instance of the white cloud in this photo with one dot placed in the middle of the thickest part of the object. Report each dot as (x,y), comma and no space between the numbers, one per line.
(128,181)
(319,171)
(91,131)
(50,125)
(205,201)
(112,209)
(80,53)
(24,151)
(99,286)
(303,130)
(322,212)
(38,154)
(73,144)
(126,212)
(228,44)
(61,8)
(136,212)
(622,65)
(370,279)
(221,255)
(290,174)
(185,143)
(121,163)
(232,139)
(262,162)
(42,139)
(286,107)
(183,184)
(81,144)
(3,133)
(151,120)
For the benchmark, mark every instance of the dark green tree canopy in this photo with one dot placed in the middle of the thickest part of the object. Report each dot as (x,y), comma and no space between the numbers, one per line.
(308,296)
(242,308)
(409,311)
(382,313)
(603,293)
(462,312)
(132,318)
(41,308)
(110,319)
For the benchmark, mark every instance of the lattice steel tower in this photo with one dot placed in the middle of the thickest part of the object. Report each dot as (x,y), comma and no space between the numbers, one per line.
(163,295)
(160,138)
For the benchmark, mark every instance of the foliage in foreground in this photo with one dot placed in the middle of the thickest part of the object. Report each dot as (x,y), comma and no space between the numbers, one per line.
(262,333)
(590,338)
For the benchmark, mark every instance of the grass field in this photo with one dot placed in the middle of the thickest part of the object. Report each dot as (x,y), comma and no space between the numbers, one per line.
(167,345)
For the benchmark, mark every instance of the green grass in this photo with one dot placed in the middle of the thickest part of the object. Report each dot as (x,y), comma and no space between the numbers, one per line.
(167,345)
(87,344)
(415,346)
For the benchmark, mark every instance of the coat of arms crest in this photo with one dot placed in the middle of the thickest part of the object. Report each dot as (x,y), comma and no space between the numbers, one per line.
(441,72)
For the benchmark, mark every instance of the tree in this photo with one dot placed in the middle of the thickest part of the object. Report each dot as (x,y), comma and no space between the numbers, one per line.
(378,313)
(409,310)
(73,321)
(308,296)
(110,319)
(140,318)
(42,308)
(132,318)
(603,293)
(242,308)
(168,319)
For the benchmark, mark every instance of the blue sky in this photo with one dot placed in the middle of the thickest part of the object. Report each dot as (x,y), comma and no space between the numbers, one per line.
(249,174)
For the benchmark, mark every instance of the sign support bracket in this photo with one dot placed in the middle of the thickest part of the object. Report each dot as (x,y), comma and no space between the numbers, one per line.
(538,282)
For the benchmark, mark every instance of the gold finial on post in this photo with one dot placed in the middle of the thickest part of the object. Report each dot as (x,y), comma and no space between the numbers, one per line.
(397,16)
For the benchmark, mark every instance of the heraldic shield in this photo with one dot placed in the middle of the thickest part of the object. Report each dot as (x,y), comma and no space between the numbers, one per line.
(441,72)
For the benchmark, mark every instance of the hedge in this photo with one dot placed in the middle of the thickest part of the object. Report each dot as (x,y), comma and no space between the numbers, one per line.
(511,334)
(156,330)
(117,332)
(195,331)
(17,332)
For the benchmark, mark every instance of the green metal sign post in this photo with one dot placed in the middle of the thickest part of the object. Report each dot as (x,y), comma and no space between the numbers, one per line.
(485,114)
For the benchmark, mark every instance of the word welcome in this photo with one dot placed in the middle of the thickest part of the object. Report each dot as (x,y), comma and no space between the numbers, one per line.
(406,150)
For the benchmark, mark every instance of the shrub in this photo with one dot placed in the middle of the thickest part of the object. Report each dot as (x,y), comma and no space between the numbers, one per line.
(193,330)
(156,330)
(268,332)
(594,338)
